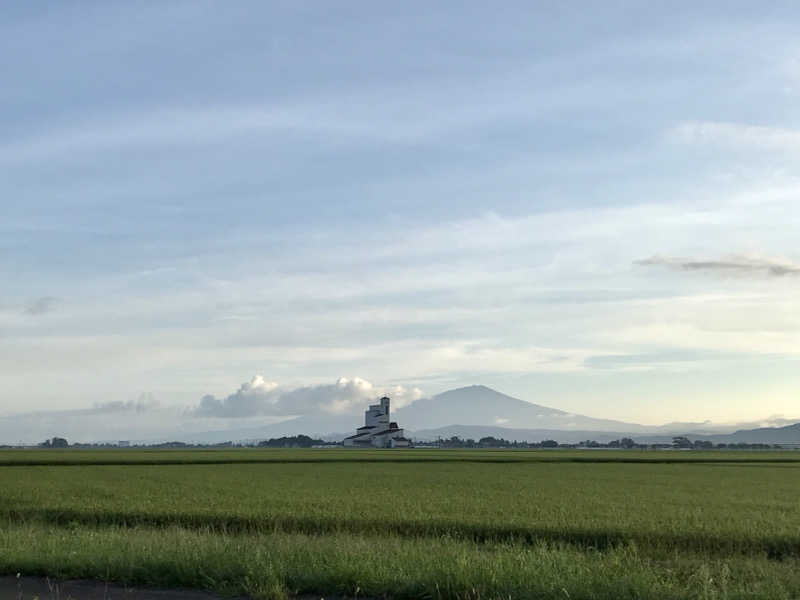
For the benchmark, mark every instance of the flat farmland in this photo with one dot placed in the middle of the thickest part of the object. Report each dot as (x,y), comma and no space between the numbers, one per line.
(409,524)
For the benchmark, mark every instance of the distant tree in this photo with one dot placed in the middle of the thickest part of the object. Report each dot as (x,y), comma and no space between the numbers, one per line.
(627,443)
(549,444)
(295,441)
(56,442)
(452,442)
(681,442)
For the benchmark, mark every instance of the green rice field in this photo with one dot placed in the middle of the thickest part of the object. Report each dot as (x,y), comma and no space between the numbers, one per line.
(409,523)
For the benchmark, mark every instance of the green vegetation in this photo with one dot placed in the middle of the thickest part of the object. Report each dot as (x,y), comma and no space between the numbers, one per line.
(256,455)
(410,524)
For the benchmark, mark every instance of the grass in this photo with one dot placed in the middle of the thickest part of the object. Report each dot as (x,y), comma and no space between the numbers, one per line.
(75,457)
(421,524)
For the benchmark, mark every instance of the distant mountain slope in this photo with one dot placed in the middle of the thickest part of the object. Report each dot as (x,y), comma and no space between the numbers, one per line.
(762,435)
(480,405)
(327,427)
(476,432)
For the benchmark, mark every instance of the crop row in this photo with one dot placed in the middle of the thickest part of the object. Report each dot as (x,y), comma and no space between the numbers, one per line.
(274,566)
(143,457)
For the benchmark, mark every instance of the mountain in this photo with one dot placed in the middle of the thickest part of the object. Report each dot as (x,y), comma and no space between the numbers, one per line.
(476,432)
(480,405)
(762,435)
(478,411)
(327,427)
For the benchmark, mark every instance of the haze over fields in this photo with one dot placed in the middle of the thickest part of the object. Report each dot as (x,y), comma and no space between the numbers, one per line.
(592,207)
(260,410)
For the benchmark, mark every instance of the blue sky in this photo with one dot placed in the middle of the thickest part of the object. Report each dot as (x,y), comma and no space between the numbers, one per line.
(589,206)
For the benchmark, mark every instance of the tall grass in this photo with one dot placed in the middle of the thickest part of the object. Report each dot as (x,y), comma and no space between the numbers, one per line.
(136,456)
(718,509)
(275,566)
(443,529)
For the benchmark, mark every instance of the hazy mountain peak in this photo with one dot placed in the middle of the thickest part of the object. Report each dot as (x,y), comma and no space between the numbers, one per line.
(482,393)
(482,405)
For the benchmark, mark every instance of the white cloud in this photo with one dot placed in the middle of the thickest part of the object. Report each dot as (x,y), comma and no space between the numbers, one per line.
(259,397)
(738,135)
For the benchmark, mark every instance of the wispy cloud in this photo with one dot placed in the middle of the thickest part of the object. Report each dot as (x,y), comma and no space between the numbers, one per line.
(144,403)
(735,134)
(364,116)
(733,265)
(41,306)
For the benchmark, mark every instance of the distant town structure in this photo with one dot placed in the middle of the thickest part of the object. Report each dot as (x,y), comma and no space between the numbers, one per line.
(124,444)
(378,430)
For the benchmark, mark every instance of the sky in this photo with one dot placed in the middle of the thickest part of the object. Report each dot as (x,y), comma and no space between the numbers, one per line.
(590,206)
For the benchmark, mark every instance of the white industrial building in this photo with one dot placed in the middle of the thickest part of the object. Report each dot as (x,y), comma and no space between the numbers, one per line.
(378,430)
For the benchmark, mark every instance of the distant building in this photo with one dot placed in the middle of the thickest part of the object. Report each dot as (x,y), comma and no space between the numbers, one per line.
(378,430)
(124,444)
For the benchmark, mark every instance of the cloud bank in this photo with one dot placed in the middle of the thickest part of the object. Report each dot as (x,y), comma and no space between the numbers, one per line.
(735,265)
(260,397)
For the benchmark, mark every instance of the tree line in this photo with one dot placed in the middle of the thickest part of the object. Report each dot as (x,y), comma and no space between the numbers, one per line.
(625,443)
(304,441)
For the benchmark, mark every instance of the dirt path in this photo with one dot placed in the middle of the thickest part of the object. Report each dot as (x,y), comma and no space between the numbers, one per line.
(42,588)
(30,588)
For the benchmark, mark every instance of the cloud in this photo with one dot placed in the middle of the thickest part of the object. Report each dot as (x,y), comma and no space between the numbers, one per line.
(40,306)
(735,135)
(256,397)
(144,403)
(734,265)
(657,359)
(260,397)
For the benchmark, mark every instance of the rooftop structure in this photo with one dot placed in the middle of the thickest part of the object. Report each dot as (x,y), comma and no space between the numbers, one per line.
(378,430)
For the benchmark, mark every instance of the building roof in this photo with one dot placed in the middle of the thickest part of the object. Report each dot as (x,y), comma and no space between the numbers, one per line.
(385,431)
(366,436)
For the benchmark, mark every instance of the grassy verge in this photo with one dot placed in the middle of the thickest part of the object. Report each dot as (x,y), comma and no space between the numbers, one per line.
(199,456)
(277,565)
(596,537)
